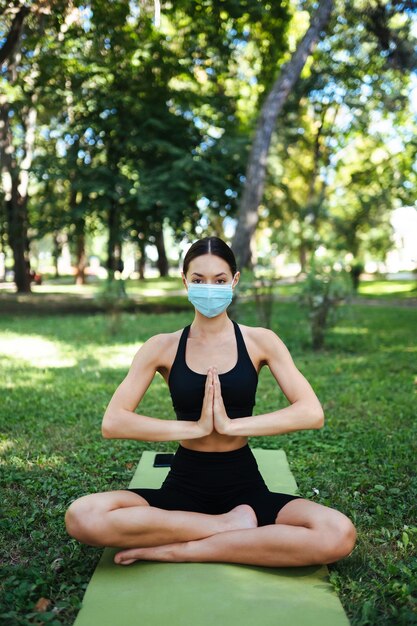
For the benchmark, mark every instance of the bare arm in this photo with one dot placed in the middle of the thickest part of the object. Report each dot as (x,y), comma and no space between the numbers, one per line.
(305,411)
(120,420)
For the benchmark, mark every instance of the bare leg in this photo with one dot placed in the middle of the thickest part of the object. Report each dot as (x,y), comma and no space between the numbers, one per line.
(305,533)
(124,519)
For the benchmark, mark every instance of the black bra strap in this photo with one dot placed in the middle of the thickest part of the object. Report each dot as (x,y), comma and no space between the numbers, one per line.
(182,343)
(242,350)
(239,338)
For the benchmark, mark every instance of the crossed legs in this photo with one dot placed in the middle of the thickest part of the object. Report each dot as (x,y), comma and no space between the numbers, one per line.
(304,533)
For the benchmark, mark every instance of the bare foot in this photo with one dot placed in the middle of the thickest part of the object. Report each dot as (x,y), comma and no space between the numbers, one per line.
(170,553)
(242,517)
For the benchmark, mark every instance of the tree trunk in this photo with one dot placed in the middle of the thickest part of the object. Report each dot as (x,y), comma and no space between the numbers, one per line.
(272,107)
(18,239)
(15,184)
(113,244)
(57,250)
(302,256)
(3,245)
(162,262)
(81,257)
(14,173)
(14,35)
(141,259)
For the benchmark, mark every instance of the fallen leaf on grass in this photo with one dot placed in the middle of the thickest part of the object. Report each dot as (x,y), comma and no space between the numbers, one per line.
(42,605)
(57,564)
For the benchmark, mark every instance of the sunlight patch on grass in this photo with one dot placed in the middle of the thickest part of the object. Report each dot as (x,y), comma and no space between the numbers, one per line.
(395,349)
(37,351)
(154,293)
(66,289)
(161,285)
(386,288)
(43,353)
(48,462)
(351,330)
(6,444)
(42,461)
(119,356)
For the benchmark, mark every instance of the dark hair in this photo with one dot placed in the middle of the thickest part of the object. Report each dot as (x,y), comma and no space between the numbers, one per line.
(210,245)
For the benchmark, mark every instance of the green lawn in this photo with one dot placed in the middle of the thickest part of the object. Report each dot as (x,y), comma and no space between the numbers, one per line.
(58,374)
(155,294)
(152,286)
(388,289)
(376,289)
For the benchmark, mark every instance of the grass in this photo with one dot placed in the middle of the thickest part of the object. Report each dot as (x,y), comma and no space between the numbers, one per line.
(60,296)
(59,374)
(388,289)
(375,289)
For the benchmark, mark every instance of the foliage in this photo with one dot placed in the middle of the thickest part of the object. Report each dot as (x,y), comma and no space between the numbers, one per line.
(155,124)
(323,290)
(137,123)
(112,297)
(260,288)
(344,151)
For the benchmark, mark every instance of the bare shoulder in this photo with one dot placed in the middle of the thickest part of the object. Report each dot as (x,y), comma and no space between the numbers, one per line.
(263,341)
(159,349)
(258,333)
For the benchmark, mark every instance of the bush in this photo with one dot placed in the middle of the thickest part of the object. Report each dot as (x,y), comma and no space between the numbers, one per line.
(113,300)
(356,270)
(324,289)
(261,290)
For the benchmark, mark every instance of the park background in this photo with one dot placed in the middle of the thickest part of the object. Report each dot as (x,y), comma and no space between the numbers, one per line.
(129,129)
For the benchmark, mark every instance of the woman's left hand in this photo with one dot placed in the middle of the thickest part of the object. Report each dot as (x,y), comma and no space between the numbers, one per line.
(221,420)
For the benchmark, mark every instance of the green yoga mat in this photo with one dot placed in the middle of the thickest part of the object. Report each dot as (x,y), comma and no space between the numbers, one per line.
(204,594)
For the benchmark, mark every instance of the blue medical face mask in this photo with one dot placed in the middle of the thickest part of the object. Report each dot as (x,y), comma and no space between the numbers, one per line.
(210,300)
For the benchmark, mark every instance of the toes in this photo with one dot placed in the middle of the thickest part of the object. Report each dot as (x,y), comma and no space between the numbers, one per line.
(126,558)
(124,562)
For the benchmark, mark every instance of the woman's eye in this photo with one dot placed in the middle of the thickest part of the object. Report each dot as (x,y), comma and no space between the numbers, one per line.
(198,281)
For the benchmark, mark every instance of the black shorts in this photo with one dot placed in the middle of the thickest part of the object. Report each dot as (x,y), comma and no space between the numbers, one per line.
(214,483)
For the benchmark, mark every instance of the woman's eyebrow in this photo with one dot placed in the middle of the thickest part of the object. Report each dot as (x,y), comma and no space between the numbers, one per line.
(202,275)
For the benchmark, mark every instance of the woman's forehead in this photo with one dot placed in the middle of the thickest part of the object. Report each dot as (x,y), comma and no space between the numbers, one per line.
(209,264)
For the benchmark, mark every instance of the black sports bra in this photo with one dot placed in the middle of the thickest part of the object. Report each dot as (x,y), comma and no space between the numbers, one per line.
(238,384)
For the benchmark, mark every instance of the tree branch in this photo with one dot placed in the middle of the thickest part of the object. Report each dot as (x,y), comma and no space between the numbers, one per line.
(13,37)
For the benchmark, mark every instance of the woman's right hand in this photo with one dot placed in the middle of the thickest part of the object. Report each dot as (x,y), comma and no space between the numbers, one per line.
(206,421)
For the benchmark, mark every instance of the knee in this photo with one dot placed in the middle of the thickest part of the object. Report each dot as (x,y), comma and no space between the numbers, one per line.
(339,540)
(79,520)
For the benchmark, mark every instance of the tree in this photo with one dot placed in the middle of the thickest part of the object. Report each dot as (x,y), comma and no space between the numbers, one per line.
(348,113)
(19,105)
(14,34)
(256,168)
(148,121)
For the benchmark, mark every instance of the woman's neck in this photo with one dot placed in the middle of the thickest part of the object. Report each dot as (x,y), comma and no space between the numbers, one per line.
(209,327)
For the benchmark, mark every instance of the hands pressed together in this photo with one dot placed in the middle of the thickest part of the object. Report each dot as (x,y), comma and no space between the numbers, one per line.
(213,413)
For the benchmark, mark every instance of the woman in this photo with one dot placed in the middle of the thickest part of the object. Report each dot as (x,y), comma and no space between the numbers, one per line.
(214,505)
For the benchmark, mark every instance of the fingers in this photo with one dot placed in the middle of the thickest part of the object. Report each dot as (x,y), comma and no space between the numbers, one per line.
(217,387)
(212,388)
(208,391)
(209,382)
